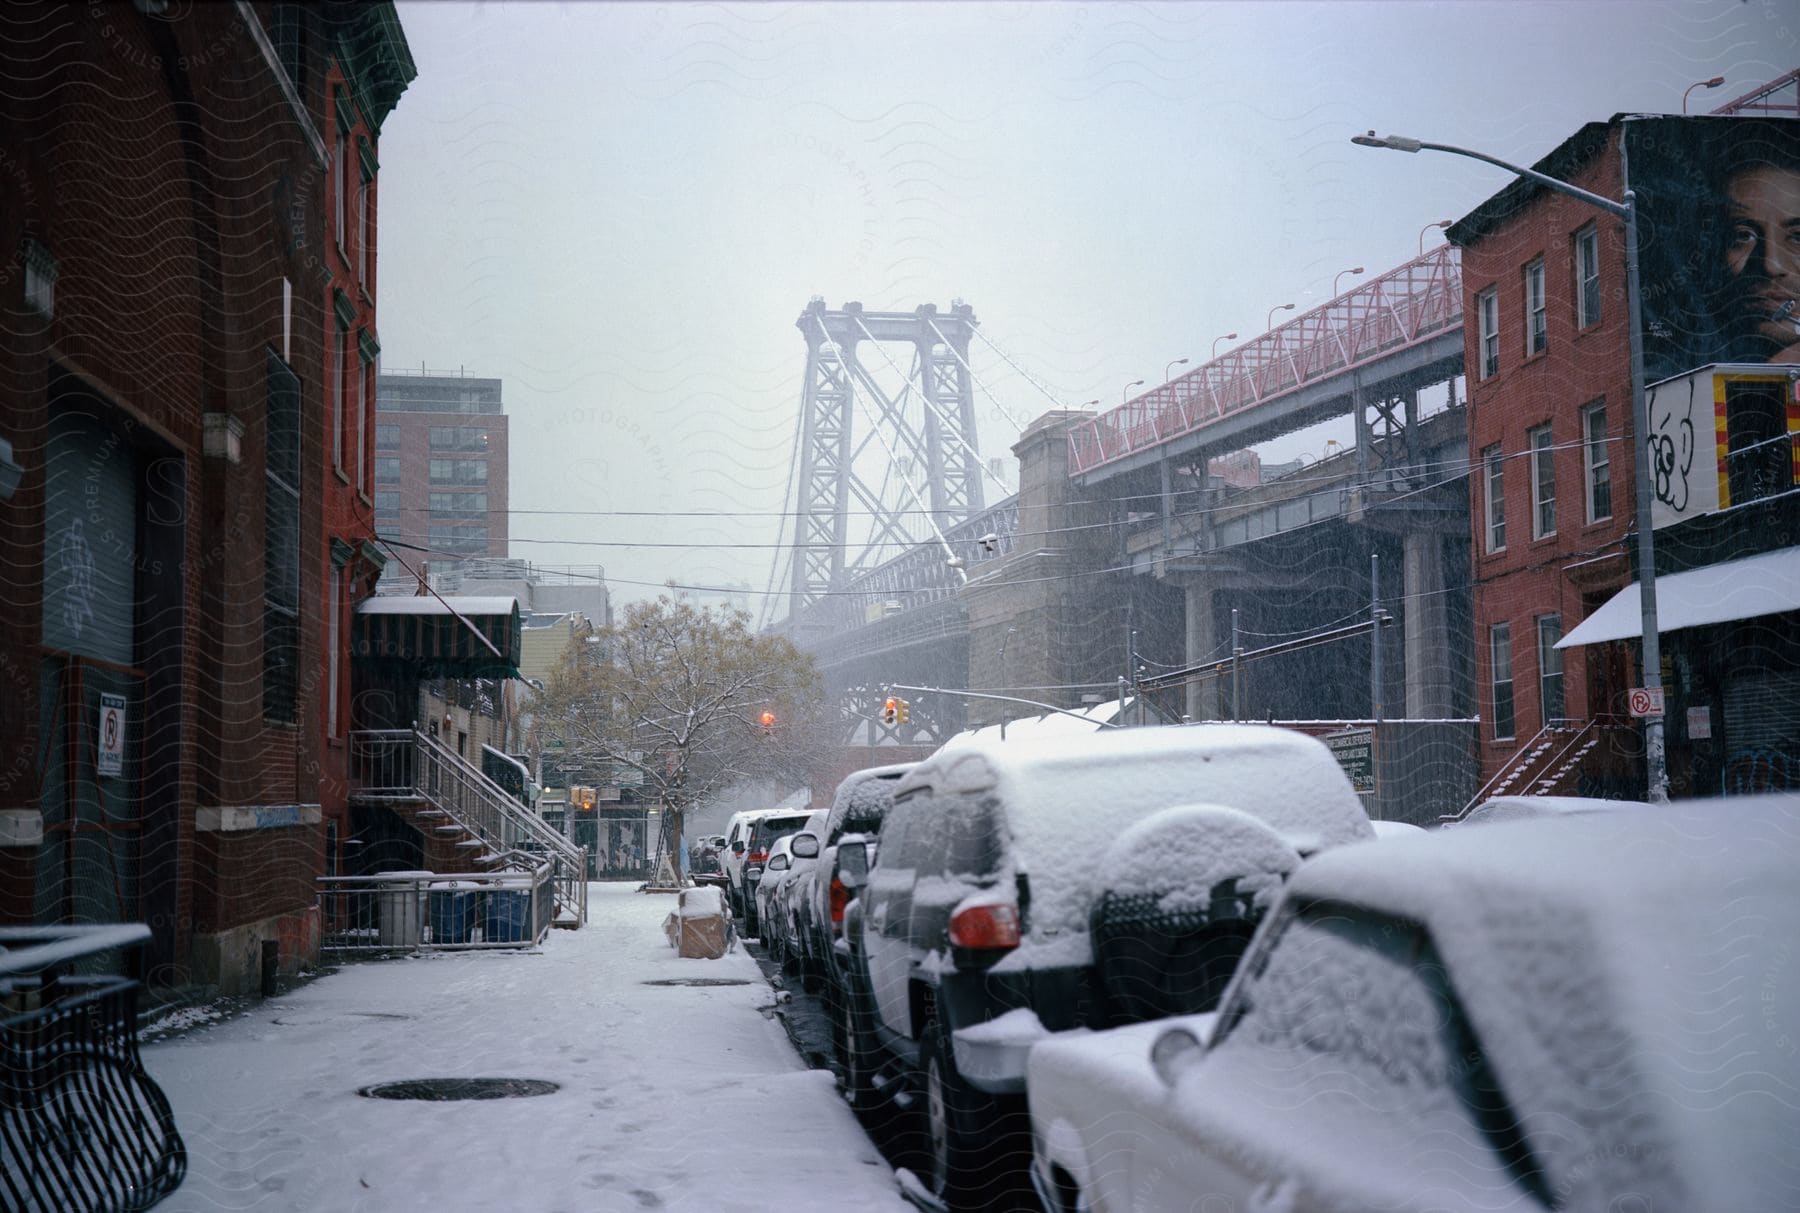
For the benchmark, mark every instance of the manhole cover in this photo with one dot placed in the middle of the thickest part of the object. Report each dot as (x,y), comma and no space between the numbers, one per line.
(459,1088)
(698,981)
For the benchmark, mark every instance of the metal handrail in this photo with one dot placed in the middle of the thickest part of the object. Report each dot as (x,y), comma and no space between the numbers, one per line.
(406,763)
(371,913)
(27,950)
(1401,308)
(1527,758)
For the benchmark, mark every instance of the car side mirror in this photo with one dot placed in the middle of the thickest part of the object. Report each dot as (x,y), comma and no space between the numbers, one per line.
(778,864)
(853,863)
(805,846)
(1174,1053)
(737,848)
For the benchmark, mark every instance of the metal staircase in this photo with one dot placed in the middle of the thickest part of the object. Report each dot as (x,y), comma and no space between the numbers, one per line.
(467,810)
(1547,765)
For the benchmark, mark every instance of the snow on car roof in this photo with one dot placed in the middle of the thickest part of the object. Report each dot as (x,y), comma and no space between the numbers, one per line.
(1067,799)
(1518,808)
(1630,975)
(865,795)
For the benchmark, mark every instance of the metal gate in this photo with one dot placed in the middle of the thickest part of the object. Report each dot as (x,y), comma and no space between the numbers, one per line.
(623,844)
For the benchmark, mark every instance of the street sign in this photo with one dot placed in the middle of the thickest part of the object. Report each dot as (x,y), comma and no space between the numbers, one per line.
(1355,752)
(1645,701)
(110,759)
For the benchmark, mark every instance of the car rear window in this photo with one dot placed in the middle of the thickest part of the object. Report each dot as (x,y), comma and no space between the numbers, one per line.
(770,830)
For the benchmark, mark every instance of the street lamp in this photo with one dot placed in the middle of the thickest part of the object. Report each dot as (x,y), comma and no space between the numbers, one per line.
(1088,404)
(1655,757)
(1172,366)
(1216,340)
(1440,224)
(1127,388)
(1715,82)
(1270,322)
(1340,278)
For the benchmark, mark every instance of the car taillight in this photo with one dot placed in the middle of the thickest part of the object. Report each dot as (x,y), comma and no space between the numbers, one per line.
(985,926)
(756,857)
(840,897)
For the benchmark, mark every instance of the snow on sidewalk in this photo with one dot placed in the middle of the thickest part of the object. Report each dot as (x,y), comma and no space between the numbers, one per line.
(673,1097)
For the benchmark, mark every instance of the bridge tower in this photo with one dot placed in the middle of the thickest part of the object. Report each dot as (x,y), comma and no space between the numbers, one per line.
(910,462)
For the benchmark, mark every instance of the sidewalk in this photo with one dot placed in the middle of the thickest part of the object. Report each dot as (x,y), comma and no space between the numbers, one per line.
(672,1097)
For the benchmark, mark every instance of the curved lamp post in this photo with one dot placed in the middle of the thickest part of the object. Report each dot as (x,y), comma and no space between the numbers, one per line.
(1715,82)
(1340,278)
(1655,756)
(1127,388)
(1216,340)
(1440,225)
(1270,322)
(1172,366)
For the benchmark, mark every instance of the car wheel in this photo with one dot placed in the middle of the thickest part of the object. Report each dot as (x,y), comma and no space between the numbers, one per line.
(961,1124)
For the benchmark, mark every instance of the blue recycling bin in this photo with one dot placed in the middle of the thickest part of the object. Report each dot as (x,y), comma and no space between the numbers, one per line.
(508,917)
(452,912)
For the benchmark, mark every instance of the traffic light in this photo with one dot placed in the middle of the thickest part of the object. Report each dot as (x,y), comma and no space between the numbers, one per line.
(890,711)
(905,712)
(768,719)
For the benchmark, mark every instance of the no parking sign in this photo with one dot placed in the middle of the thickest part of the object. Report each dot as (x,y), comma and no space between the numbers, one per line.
(110,760)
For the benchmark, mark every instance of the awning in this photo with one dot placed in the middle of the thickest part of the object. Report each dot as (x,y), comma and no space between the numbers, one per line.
(441,637)
(1718,593)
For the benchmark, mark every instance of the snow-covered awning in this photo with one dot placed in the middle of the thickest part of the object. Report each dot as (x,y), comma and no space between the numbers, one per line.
(1718,593)
(449,637)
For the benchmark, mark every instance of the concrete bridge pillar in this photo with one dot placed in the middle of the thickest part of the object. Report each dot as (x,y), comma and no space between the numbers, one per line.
(1204,700)
(1427,614)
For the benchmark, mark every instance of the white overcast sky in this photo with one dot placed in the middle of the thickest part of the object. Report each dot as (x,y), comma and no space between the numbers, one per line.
(620,209)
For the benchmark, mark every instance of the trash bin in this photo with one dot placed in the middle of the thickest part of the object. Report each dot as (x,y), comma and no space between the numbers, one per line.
(452,911)
(398,910)
(508,917)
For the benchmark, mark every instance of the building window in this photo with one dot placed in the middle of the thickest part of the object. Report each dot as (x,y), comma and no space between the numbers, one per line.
(387,469)
(459,505)
(1587,277)
(362,229)
(1500,656)
(387,437)
(1493,466)
(459,540)
(40,279)
(458,438)
(1537,330)
(362,434)
(341,181)
(1550,670)
(1487,308)
(333,608)
(338,336)
(1597,459)
(281,543)
(459,471)
(388,499)
(1543,483)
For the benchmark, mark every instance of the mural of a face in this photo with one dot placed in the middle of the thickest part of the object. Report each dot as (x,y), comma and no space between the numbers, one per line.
(1762,256)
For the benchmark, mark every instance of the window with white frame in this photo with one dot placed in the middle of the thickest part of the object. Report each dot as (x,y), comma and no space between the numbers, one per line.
(333,608)
(1493,471)
(362,432)
(341,171)
(1501,680)
(339,339)
(1596,462)
(1487,310)
(1543,483)
(1550,667)
(1587,277)
(1537,328)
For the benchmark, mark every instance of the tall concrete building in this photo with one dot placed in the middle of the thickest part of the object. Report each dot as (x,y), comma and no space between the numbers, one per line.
(440,467)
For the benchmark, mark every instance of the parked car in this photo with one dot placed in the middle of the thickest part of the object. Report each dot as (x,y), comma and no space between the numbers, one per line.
(858,807)
(803,853)
(1521,808)
(763,833)
(1587,1013)
(766,885)
(1014,878)
(734,859)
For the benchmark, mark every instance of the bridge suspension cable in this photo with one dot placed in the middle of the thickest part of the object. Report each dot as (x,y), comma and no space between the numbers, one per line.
(949,426)
(976,379)
(1007,358)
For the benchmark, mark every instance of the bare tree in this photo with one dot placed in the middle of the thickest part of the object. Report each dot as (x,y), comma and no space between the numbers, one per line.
(692,700)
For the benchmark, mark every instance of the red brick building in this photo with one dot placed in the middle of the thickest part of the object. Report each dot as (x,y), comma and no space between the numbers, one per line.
(1552,456)
(164,305)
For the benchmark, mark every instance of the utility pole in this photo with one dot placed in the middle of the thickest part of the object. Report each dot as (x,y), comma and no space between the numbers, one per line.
(1375,636)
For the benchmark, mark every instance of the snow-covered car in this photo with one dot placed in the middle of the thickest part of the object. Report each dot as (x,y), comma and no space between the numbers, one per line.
(1017,878)
(803,856)
(1588,1013)
(858,806)
(735,858)
(1522,808)
(765,881)
(765,831)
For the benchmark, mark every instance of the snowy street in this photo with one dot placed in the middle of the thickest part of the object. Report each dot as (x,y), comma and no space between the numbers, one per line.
(672,1097)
